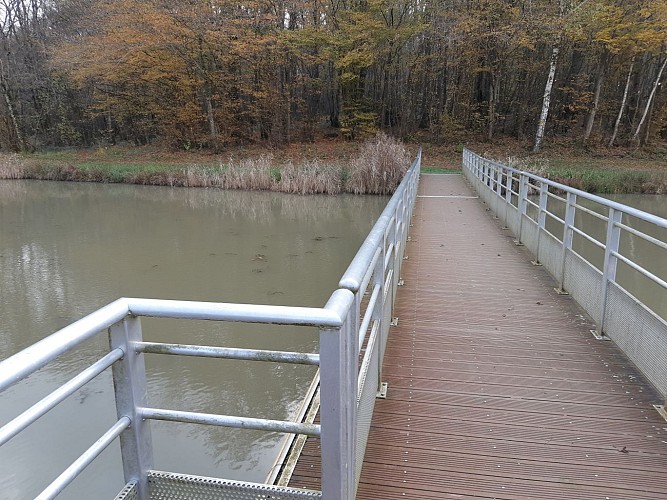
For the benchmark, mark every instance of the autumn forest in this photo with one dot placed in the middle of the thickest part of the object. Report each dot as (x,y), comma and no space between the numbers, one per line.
(213,73)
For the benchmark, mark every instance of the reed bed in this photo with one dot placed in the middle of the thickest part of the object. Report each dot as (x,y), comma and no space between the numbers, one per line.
(11,167)
(378,169)
(380,166)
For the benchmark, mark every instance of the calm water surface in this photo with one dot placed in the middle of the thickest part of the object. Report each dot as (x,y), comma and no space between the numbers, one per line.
(67,249)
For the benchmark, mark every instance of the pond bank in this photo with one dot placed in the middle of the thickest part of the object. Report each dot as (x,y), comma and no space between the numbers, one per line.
(377,168)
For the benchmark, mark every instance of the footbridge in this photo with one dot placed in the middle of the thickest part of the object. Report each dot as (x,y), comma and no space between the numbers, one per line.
(484,343)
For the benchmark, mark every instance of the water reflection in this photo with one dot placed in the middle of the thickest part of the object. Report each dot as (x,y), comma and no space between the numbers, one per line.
(68,248)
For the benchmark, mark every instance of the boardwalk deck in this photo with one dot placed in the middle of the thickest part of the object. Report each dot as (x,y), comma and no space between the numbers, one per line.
(497,389)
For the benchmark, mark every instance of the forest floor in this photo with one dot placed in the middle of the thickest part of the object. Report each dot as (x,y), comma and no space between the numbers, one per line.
(590,168)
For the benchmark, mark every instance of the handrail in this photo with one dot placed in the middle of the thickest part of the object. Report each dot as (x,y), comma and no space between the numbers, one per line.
(640,214)
(606,293)
(361,262)
(346,385)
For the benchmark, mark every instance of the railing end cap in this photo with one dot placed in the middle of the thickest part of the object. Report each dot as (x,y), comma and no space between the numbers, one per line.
(340,303)
(350,284)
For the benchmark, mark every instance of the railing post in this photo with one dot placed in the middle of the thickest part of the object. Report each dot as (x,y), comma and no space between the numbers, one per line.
(610,261)
(129,380)
(509,179)
(338,408)
(521,208)
(541,219)
(568,234)
(380,314)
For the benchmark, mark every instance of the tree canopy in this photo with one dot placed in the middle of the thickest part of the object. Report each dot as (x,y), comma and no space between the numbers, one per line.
(209,73)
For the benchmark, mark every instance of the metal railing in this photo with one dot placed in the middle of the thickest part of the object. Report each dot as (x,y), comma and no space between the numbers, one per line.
(349,360)
(589,244)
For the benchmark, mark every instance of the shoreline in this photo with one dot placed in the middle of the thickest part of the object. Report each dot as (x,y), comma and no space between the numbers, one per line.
(350,168)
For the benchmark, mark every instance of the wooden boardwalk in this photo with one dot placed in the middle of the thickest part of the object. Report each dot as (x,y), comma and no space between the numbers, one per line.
(497,389)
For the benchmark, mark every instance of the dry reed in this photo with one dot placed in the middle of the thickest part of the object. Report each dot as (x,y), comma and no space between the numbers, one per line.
(11,167)
(378,169)
(380,166)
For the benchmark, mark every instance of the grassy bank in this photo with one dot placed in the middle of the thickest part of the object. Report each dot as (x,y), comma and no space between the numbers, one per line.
(375,167)
(334,166)
(589,168)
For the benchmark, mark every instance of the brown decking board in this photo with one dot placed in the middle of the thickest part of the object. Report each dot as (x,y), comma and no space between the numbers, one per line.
(497,389)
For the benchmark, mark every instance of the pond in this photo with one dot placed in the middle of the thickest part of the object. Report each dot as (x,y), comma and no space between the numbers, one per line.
(67,249)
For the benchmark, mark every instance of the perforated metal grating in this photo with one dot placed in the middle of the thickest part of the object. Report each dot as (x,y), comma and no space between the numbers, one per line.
(584,283)
(551,252)
(172,486)
(128,493)
(366,399)
(639,333)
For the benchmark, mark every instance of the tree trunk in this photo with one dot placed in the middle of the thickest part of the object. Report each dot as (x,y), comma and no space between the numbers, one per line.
(623,103)
(493,93)
(546,101)
(590,119)
(4,85)
(212,127)
(635,136)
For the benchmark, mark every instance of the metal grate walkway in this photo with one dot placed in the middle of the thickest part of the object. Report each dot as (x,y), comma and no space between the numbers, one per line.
(497,389)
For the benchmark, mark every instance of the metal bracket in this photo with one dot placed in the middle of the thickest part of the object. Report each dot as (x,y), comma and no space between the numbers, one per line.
(401,282)
(560,291)
(394,321)
(518,243)
(409,238)
(536,263)
(661,410)
(406,257)
(599,336)
(504,228)
(382,393)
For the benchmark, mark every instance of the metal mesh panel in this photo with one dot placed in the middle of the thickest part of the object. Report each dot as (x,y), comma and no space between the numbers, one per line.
(129,492)
(639,333)
(551,254)
(584,283)
(512,221)
(529,234)
(171,486)
(368,386)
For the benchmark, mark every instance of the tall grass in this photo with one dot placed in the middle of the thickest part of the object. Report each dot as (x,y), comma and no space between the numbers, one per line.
(11,167)
(380,166)
(378,169)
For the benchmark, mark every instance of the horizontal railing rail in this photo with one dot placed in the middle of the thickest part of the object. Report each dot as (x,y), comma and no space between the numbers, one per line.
(593,247)
(349,362)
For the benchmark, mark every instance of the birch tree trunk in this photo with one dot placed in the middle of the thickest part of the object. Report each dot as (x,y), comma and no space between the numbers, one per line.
(590,119)
(623,103)
(546,101)
(4,86)
(635,136)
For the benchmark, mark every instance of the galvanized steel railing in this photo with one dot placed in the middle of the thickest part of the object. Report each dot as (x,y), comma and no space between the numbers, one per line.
(349,360)
(599,268)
